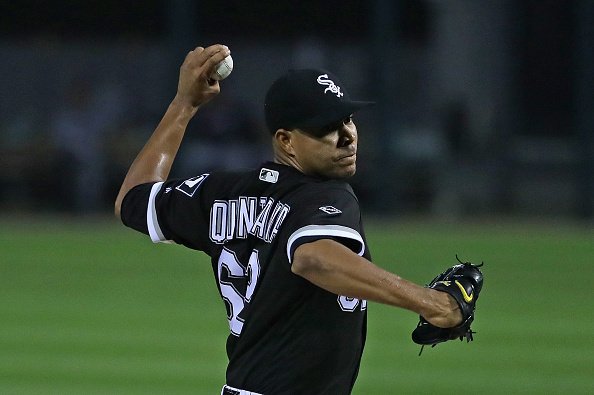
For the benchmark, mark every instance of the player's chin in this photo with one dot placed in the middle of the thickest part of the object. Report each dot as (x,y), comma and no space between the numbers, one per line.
(346,170)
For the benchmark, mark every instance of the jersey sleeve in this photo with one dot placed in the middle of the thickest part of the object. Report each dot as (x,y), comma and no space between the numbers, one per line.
(328,213)
(170,211)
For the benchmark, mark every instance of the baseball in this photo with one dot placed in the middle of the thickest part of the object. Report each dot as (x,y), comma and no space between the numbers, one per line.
(223,69)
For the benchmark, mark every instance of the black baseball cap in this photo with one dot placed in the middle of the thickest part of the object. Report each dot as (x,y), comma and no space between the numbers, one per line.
(306,99)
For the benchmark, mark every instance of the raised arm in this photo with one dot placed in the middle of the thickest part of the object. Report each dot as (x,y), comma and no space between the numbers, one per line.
(335,268)
(195,88)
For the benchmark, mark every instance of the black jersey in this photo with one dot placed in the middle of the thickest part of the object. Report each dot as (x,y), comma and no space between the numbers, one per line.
(287,336)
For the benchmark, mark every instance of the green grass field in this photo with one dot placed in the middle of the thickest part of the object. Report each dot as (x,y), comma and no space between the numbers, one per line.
(94,308)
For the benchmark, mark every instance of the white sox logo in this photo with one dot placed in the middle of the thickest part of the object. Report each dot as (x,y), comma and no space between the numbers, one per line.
(332,87)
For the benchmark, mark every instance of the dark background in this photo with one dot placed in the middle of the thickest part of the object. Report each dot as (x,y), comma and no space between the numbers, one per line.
(484,107)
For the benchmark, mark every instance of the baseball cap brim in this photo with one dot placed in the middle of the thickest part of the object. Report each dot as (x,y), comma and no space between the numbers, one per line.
(331,115)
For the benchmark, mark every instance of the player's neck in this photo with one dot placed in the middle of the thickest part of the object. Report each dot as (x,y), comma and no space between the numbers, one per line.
(287,161)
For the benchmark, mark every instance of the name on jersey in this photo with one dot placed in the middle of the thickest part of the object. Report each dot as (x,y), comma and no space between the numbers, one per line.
(236,219)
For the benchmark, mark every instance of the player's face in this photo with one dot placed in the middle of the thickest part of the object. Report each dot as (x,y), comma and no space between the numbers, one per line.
(329,152)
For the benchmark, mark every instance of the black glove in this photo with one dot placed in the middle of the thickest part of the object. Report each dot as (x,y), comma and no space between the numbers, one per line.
(464,282)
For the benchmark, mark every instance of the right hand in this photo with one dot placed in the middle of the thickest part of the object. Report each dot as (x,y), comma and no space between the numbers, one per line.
(445,312)
(195,87)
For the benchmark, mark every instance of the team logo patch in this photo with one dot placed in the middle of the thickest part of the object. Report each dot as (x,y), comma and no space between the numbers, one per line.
(268,175)
(191,185)
(331,86)
(330,210)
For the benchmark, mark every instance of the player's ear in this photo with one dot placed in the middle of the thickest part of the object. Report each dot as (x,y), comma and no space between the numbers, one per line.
(284,140)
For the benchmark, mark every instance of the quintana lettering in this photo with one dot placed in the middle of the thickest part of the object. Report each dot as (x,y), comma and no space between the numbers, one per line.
(238,218)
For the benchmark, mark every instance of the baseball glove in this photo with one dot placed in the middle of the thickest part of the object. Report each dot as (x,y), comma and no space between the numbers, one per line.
(463,282)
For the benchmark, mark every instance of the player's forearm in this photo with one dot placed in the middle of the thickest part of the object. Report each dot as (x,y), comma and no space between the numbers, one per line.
(334,267)
(154,161)
(337,269)
(195,88)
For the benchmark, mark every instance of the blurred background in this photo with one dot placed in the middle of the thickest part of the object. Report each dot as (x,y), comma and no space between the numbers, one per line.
(484,107)
(481,144)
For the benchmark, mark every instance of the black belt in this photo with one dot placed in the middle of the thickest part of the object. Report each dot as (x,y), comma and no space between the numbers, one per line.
(236,391)
(229,391)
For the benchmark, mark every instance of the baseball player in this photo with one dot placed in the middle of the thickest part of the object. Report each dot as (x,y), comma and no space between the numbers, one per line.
(288,249)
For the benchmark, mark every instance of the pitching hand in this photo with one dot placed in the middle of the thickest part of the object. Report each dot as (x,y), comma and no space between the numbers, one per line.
(195,85)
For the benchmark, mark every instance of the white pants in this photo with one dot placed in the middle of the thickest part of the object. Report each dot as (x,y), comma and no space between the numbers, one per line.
(228,390)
